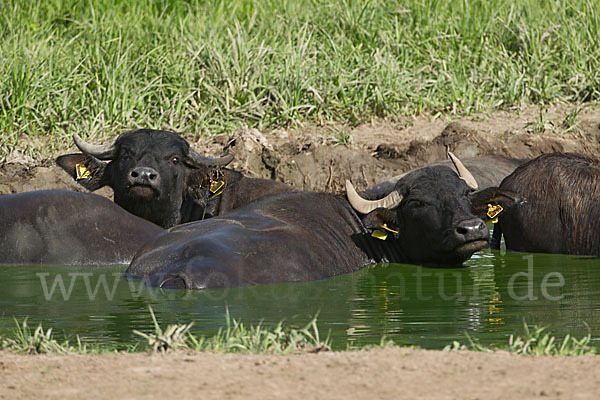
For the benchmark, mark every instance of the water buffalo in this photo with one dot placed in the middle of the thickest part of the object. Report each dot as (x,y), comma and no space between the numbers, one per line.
(426,219)
(562,193)
(68,228)
(157,176)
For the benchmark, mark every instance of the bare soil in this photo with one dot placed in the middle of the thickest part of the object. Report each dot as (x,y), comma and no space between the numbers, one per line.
(376,374)
(311,158)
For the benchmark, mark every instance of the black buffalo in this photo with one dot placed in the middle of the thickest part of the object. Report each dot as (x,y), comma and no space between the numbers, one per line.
(68,228)
(561,213)
(157,176)
(426,219)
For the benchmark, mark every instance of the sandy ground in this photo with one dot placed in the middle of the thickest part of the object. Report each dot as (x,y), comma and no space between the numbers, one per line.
(376,374)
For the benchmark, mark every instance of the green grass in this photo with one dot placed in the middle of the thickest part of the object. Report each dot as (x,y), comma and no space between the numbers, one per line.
(235,337)
(40,341)
(535,341)
(342,136)
(569,122)
(99,67)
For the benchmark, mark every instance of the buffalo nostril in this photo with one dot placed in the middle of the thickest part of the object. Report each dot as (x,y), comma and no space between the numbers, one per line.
(462,230)
(134,174)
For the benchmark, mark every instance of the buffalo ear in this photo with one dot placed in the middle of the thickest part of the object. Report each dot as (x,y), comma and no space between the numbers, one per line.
(381,218)
(198,186)
(493,196)
(88,171)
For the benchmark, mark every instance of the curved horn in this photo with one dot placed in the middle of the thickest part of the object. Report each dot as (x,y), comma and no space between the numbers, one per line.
(364,206)
(102,151)
(196,159)
(463,172)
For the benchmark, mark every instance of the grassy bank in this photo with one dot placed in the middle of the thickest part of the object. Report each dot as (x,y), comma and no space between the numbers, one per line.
(281,339)
(99,67)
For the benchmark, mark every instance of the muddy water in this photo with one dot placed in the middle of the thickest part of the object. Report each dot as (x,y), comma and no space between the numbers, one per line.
(488,299)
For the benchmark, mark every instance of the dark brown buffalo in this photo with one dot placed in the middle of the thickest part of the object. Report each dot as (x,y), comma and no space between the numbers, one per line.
(157,176)
(561,213)
(425,219)
(68,228)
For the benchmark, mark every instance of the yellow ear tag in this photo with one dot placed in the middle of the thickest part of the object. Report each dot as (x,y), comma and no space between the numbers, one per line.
(216,187)
(493,212)
(81,171)
(381,235)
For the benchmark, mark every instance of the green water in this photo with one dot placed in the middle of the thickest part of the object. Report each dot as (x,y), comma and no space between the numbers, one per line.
(411,305)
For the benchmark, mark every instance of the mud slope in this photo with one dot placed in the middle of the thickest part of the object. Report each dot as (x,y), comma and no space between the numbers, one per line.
(310,159)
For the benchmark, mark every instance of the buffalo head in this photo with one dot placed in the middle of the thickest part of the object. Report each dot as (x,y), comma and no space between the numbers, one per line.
(433,214)
(150,172)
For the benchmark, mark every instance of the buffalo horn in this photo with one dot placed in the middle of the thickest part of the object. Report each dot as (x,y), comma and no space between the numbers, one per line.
(100,151)
(196,159)
(364,206)
(463,172)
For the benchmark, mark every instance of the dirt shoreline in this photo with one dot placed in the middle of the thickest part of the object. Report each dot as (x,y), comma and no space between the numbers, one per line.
(376,374)
(310,158)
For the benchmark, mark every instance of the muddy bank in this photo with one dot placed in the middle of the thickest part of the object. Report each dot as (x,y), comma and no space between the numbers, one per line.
(379,374)
(312,158)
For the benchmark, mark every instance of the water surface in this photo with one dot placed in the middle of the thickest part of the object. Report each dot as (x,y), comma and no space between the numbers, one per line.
(427,307)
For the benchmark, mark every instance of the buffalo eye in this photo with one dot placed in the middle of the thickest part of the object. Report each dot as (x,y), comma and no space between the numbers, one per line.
(416,203)
(175,160)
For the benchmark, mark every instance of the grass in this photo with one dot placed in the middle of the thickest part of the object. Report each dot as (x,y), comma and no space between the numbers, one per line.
(237,338)
(175,337)
(234,338)
(540,125)
(569,122)
(342,137)
(536,341)
(99,67)
(40,341)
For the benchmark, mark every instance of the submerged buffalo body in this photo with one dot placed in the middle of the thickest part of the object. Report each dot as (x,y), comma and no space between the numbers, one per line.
(426,219)
(157,176)
(561,213)
(68,228)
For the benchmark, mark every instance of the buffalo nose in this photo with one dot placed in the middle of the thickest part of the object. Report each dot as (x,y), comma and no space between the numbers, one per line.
(143,175)
(472,229)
